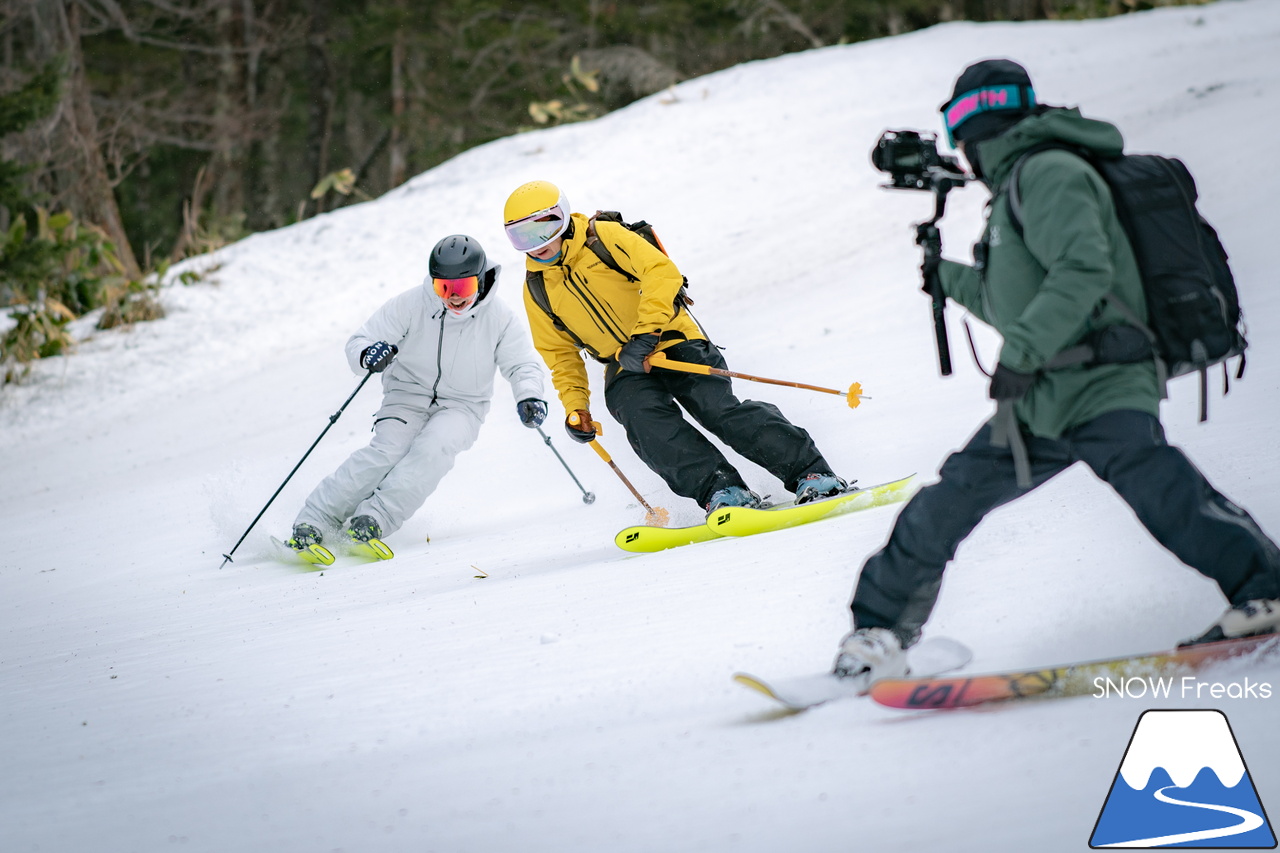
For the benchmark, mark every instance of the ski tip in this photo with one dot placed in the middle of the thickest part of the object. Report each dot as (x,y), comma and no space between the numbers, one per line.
(748,680)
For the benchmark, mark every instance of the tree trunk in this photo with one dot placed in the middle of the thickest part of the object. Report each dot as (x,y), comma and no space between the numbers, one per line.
(228,195)
(81,173)
(397,141)
(266,173)
(320,108)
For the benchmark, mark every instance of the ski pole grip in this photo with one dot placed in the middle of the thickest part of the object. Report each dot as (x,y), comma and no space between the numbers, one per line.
(604,454)
(576,420)
(659,359)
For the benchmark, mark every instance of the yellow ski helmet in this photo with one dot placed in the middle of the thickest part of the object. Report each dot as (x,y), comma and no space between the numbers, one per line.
(535,214)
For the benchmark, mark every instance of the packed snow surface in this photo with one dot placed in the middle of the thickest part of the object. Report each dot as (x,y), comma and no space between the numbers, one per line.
(517,682)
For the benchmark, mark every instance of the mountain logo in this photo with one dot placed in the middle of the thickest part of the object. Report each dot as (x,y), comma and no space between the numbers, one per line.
(1183,783)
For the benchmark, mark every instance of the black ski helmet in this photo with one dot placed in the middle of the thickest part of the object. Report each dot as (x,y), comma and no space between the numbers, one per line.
(988,98)
(457,256)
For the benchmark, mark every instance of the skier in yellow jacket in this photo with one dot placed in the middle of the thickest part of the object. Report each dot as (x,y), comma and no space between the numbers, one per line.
(612,294)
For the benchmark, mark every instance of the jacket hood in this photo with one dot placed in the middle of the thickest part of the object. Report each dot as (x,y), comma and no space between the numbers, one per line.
(1057,124)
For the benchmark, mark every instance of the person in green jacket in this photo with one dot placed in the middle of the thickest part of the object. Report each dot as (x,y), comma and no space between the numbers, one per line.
(1042,287)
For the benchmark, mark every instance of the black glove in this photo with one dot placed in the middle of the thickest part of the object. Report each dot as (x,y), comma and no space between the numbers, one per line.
(1009,384)
(378,357)
(636,350)
(585,430)
(532,412)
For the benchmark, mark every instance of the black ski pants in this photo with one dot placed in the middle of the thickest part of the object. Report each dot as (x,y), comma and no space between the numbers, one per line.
(899,584)
(646,406)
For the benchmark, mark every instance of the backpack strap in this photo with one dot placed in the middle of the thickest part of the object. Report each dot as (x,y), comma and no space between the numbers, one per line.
(537,288)
(598,247)
(1012,186)
(1006,432)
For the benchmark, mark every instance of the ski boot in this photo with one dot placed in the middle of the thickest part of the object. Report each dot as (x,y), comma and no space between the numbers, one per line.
(732,496)
(305,541)
(868,654)
(364,534)
(816,486)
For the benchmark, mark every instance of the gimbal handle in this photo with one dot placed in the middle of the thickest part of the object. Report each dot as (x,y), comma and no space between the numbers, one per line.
(929,239)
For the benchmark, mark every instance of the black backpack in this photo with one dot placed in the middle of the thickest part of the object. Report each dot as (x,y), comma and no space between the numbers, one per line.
(538,288)
(1193,308)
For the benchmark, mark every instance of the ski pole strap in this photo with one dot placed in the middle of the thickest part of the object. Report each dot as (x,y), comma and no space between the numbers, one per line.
(1005,432)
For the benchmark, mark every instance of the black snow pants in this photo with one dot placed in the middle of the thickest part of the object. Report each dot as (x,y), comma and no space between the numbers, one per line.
(899,584)
(646,406)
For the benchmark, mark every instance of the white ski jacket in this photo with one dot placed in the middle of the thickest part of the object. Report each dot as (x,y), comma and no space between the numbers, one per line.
(447,360)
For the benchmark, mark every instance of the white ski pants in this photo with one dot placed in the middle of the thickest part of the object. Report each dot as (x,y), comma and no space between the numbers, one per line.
(411,451)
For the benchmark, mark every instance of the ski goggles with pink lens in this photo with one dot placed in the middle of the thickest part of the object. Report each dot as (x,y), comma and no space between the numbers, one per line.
(536,230)
(988,99)
(461,287)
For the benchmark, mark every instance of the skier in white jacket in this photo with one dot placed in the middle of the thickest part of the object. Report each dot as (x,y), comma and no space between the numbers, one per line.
(437,347)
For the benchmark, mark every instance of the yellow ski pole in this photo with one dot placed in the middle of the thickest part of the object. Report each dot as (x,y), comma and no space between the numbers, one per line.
(853,396)
(657,517)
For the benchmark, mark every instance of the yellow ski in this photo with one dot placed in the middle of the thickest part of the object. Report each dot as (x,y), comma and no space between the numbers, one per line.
(744,521)
(314,555)
(374,549)
(321,557)
(646,539)
(740,521)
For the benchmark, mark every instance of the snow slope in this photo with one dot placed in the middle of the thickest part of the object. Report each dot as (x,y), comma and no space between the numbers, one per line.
(520,684)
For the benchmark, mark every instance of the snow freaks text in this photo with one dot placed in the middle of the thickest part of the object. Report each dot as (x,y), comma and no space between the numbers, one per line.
(1170,687)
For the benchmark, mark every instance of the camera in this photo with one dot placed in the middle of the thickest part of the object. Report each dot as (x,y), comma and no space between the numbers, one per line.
(912,161)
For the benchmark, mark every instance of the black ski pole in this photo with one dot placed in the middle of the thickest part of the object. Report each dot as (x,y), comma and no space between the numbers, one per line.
(332,420)
(587,497)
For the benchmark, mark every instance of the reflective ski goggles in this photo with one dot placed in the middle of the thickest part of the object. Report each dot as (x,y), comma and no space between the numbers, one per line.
(975,102)
(462,287)
(537,229)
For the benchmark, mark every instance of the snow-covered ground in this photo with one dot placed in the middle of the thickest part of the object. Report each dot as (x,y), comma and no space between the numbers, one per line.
(518,683)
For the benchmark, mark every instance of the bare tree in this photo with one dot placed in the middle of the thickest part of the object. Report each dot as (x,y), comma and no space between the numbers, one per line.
(321,94)
(399,158)
(79,178)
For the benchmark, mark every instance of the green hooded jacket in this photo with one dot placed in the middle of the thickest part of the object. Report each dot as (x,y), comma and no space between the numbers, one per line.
(1043,289)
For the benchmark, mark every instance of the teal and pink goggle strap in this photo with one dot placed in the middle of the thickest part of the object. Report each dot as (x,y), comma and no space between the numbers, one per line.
(1008,97)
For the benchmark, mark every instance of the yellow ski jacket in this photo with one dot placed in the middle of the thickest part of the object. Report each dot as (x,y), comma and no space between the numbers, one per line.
(604,309)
